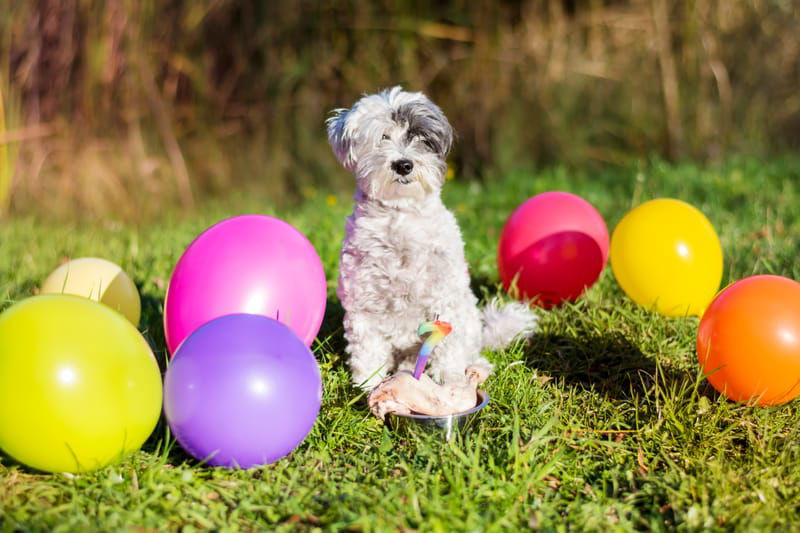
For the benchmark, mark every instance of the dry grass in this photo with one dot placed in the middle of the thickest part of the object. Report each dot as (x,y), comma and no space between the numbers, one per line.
(126,102)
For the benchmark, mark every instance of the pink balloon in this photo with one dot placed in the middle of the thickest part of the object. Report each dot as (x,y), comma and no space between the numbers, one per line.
(252,264)
(557,243)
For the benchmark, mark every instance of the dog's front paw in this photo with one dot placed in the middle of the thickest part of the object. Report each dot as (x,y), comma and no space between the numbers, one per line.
(477,373)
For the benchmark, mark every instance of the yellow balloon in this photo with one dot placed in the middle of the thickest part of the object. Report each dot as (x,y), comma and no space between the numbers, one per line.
(666,256)
(98,280)
(79,386)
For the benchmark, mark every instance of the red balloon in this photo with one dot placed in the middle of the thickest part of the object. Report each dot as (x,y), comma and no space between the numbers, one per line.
(555,245)
(748,342)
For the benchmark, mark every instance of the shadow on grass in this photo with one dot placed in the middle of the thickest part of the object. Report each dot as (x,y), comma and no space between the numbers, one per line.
(608,364)
(332,346)
(483,288)
(9,462)
(151,325)
(331,332)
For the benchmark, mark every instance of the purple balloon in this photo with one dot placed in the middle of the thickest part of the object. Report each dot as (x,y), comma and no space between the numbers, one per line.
(241,391)
(251,264)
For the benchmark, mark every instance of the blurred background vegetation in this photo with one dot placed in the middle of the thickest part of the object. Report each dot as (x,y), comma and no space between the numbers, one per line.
(122,107)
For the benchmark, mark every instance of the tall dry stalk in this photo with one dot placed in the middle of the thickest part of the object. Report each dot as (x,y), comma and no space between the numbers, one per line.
(669,79)
(6,164)
(9,120)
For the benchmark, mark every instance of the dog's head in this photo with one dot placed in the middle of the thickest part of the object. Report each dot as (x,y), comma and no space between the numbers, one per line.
(395,143)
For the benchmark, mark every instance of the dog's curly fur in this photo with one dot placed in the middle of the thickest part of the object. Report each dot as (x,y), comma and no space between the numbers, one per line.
(402,260)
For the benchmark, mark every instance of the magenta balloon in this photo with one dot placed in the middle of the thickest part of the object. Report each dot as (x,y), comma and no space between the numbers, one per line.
(251,264)
(242,391)
(556,244)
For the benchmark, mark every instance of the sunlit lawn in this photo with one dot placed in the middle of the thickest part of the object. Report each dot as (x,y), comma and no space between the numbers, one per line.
(601,422)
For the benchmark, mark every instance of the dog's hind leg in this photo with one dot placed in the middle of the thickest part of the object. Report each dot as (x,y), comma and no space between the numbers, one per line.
(451,358)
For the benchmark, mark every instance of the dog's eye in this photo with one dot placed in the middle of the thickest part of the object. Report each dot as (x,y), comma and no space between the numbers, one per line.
(385,137)
(430,144)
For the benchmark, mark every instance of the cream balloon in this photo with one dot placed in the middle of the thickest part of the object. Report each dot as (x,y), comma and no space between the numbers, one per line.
(99,280)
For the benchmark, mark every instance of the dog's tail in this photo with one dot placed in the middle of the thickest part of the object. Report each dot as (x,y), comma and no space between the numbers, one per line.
(503,324)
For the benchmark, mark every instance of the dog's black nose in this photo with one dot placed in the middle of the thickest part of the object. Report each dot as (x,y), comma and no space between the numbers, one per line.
(403,167)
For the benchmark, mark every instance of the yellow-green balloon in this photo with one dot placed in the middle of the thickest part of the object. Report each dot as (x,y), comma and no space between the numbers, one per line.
(99,280)
(666,256)
(79,386)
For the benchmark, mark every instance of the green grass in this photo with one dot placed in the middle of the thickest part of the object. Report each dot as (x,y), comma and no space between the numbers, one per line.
(601,422)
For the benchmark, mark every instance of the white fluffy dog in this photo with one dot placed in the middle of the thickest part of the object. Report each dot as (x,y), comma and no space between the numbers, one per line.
(402,260)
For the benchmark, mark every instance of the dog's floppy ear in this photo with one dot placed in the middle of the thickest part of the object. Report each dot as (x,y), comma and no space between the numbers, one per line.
(441,132)
(340,138)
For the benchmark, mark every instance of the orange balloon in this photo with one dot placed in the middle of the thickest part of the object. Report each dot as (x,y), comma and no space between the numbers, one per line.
(748,342)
